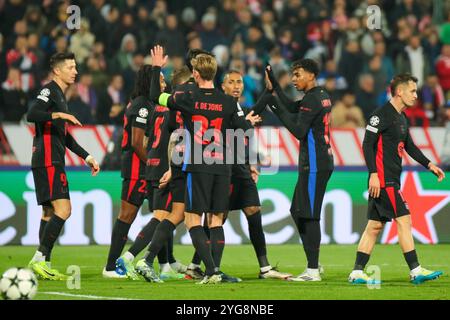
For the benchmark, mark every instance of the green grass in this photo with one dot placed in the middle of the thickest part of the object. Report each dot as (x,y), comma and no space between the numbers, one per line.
(240,261)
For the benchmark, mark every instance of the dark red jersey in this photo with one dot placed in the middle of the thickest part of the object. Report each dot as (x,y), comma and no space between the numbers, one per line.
(136,115)
(387,135)
(158,141)
(51,136)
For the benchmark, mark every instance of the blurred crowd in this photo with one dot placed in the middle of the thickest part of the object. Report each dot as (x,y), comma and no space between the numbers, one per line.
(114,39)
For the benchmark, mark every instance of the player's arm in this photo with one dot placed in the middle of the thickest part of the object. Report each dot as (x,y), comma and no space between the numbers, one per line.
(139,119)
(261,103)
(418,155)
(167,176)
(39,112)
(300,123)
(73,146)
(291,106)
(369,145)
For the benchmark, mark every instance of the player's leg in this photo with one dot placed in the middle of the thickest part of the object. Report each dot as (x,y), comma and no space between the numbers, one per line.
(217,236)
(62,209)
(258,239)
(194,269)
(199,198)
(52,190)
(365,248)
(202,245)
(310,190)
(119,235)
(47,213)
(418,274)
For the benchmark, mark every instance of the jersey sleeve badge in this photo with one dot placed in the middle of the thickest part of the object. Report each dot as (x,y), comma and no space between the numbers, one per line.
(44,94)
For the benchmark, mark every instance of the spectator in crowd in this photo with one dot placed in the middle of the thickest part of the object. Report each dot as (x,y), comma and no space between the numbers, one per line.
(414,37)
(443,69)
(366,97)
(23,59)
(78,107)
(111,102)
(13,100)
(346,114)
(432,98)
(351,63)
(379,75)
(414,60)
(171,38)
(330,71)
(209,33)
(87,93)
(82,41)
(386,62)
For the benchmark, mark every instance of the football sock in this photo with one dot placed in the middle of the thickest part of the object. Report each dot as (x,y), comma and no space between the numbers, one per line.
(162,232)
(51,233)
(38,257)
(162,254)
(196,258)
(310,234)
(217,237)
(411,259)
(361,260)
(257,238)
(170,249)
(203,247)
(42,226)
(119,237)
(144,237)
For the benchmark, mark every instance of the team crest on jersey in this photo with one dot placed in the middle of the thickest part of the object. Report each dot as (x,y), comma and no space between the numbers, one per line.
(374,121)
(143,113)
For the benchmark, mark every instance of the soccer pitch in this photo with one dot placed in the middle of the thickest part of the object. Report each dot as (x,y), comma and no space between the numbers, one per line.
(241,261)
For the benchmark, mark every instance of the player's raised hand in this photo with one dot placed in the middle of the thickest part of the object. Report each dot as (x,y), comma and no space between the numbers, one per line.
(374,185)
(67,117)
(436,171)
(254,119)
(271,77)
(268,83)
(165,179)
(158,57)
(91,162)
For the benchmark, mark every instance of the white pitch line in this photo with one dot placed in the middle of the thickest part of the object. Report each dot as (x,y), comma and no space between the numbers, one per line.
(85,296)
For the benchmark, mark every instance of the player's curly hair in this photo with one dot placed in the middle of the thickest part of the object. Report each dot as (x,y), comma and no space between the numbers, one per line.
(401,79)
(308,65)
(142,82)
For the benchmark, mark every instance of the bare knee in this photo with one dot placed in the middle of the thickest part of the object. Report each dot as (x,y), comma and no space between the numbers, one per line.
(47,213)
(127,212)
(62,208)
(249,211)
(192,220)
(215,220)
(160,214)
(374,228)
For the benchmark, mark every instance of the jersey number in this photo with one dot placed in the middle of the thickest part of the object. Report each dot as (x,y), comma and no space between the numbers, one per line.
(157,131)
(216,124)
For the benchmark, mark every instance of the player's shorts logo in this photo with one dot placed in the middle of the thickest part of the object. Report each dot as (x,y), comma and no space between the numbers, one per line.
(143,112)
(374,121)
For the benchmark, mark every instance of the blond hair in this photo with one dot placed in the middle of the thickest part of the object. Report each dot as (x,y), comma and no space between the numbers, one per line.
(205,65)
